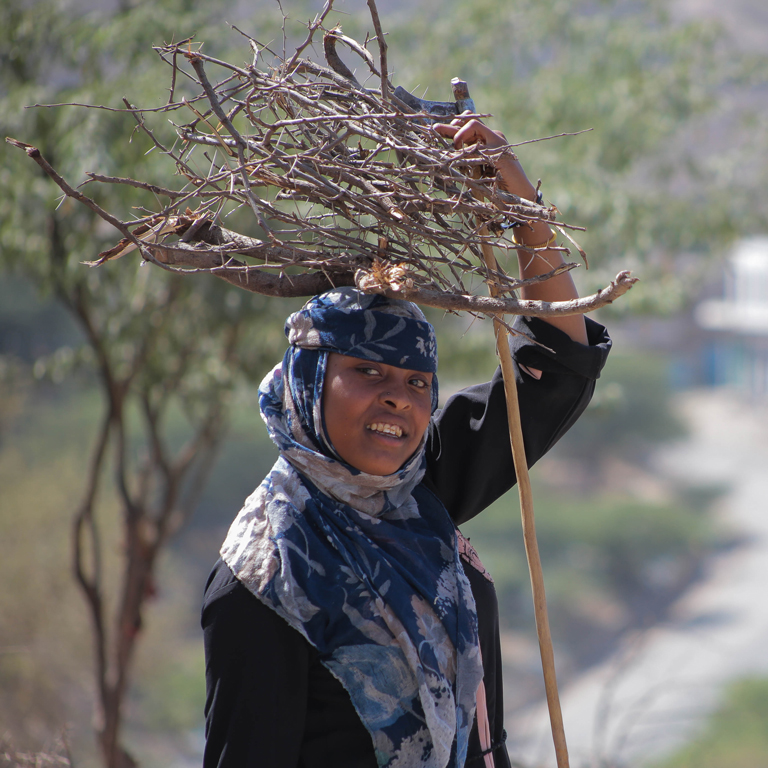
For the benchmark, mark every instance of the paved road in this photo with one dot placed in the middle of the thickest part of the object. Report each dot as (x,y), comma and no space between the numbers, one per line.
(658,689)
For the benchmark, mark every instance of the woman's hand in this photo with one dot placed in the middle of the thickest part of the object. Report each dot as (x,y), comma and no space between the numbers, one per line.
(512,177)
(536,233)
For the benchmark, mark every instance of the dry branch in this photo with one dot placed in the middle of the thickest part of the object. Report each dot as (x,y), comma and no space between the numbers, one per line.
(330,170)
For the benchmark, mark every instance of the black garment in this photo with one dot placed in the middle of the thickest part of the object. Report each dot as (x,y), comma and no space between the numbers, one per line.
(270,702)
(490,647)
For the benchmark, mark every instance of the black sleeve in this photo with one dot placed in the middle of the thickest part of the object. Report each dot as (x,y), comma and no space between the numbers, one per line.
(469,460)
(256,671)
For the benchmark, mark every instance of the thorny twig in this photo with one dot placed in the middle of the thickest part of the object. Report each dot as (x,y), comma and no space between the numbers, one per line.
(345,184)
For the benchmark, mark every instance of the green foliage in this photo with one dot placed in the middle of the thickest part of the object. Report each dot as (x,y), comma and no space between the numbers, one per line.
(244,460)
(626,543)
(28,328)
(45,648)
(53,56)
(736,734)
(169,693)
(612,561)
(631,411)
(651,91)
(183,334)
(466,349)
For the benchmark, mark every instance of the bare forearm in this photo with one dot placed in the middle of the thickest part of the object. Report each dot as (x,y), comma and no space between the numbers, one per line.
(539,261)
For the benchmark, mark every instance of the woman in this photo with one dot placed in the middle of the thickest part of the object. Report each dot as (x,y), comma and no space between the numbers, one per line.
(348,623)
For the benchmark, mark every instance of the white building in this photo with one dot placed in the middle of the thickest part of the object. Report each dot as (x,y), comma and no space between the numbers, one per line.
(738,352)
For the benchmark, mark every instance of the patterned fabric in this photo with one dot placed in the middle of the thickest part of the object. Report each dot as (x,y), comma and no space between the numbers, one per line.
(369,326)
(366,567)
(469,555)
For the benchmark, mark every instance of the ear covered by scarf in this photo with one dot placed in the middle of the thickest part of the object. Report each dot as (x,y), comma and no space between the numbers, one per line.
(366,567)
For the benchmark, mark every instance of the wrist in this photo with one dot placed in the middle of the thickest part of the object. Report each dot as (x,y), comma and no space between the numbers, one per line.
(538,235)
(512,176)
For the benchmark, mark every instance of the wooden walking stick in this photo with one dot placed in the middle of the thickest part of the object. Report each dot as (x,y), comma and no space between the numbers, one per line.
(463,101)
(529,527)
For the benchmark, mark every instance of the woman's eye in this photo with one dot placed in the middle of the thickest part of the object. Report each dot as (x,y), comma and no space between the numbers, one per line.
(368,371)
(419,383)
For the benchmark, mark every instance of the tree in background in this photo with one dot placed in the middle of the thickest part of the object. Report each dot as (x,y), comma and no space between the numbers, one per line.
(674,109)
(165,353)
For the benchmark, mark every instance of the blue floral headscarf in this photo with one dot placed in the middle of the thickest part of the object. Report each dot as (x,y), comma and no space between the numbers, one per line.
(366,567)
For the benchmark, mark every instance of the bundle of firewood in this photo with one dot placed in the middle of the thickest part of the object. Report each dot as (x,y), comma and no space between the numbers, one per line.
(345,178)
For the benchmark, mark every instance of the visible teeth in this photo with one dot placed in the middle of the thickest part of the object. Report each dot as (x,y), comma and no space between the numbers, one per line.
(387,429)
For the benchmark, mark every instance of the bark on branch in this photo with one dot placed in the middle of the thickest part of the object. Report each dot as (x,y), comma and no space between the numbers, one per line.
(330,170)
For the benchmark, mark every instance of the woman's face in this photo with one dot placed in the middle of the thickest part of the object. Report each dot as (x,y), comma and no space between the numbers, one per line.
(375,414)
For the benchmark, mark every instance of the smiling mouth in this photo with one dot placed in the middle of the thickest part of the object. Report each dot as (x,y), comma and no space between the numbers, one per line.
(386,429)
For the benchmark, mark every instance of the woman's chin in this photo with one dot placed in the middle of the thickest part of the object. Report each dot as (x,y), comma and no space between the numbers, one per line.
(384,457)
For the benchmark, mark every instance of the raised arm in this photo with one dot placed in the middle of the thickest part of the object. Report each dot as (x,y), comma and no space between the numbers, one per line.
(513,180)
(469,463)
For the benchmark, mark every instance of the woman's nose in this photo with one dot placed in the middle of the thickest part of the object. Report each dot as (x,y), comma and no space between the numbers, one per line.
(395,396)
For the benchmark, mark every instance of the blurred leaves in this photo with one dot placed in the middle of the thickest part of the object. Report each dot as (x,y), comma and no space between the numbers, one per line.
(45,650)
(668,166)
(618,543)
(631,412)
(177,334)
